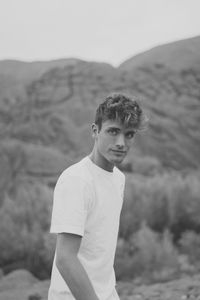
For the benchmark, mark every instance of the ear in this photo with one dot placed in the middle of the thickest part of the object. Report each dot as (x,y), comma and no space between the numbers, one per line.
(94,130)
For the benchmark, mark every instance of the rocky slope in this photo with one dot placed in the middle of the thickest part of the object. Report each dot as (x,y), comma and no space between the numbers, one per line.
(21,285)
(49,105)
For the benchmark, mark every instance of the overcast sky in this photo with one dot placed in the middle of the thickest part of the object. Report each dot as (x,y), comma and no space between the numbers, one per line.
(100,30)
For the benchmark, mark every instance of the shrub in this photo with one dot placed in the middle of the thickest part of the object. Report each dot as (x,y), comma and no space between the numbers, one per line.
(190,245)
(170,201)
(186,206)
(131,216)
(122,264)
(24,222)
(147,254)
(154,251)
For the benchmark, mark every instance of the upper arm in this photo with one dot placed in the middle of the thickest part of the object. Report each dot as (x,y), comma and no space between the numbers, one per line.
(70,205)
(67,245)
(67,248)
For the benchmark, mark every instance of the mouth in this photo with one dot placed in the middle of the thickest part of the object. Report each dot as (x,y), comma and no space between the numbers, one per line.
(120,152)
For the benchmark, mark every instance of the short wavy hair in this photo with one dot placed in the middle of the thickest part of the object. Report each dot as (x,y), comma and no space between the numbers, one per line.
(121,107)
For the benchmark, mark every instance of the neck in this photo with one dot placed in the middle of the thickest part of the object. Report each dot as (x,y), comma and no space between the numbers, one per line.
(101,161)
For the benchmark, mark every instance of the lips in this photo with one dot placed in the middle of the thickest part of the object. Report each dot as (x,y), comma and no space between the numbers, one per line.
(119,151)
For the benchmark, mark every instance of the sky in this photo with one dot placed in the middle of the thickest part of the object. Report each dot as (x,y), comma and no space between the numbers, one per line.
(108,31)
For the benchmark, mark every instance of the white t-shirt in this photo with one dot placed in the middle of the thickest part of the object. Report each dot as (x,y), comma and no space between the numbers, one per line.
(88,202)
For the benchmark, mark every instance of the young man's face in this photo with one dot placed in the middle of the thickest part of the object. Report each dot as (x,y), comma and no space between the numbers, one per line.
(113,141)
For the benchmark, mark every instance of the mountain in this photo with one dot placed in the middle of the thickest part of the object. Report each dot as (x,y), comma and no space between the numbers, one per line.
(46,109)
(167,78)
(177,56)
(14,75)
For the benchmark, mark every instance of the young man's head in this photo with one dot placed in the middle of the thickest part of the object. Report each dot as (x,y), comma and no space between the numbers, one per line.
(117,120)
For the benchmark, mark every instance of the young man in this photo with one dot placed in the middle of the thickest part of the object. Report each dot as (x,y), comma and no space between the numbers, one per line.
(88,199)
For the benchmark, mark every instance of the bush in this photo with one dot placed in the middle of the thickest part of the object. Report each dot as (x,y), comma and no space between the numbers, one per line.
(185,206)
(122,265)
(147,254)
(190,245)
(154,251)
(170,201)
(132,212)
(146,165)
(24,223)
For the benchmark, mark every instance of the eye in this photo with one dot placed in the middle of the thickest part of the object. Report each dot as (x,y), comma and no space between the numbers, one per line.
(130,134)
(113,131)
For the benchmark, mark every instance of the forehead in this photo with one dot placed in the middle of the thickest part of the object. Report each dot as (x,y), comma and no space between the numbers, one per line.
(116,124)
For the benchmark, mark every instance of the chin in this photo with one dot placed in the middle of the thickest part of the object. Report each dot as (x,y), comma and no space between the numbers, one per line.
(117,161)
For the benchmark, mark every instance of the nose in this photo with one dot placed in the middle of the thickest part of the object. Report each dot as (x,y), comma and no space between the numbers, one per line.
(120,142)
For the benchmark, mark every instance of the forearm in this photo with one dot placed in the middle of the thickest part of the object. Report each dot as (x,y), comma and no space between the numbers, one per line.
(77,279)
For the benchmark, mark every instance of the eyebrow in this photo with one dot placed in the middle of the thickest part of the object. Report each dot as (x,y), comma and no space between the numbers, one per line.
(132,130)
(118,128)
(114,127)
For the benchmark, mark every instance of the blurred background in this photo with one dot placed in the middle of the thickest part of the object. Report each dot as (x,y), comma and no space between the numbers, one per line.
(58,61)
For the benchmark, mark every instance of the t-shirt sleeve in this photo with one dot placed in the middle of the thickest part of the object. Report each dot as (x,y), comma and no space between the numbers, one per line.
(69,205)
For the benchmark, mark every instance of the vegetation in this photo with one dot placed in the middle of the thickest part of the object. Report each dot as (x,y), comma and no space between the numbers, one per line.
(159,224)
(24,222)
(159,233)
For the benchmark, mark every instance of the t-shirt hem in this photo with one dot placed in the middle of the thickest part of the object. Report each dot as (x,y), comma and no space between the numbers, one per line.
(66,229)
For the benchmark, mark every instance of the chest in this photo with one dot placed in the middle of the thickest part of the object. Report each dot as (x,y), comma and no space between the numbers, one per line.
(108,199)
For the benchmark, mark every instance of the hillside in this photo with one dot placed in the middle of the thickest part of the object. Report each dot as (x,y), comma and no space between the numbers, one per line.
(46,109)
(49,105)
(177,56)
(14,75)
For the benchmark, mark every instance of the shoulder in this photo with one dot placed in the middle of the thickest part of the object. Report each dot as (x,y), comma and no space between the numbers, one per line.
(77,173)
(75,183)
